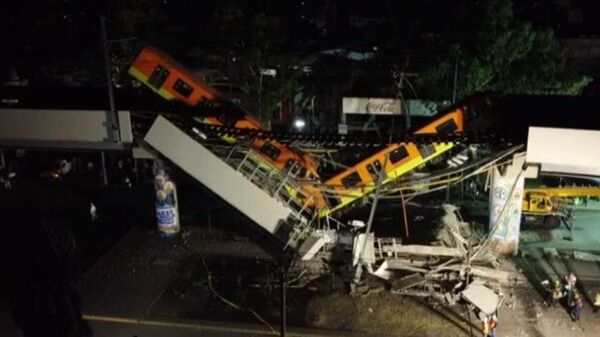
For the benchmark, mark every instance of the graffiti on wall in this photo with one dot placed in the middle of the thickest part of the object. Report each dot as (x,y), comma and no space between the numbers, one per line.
(506,198)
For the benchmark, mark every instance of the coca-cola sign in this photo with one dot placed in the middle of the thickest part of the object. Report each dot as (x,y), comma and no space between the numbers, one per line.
(371,106)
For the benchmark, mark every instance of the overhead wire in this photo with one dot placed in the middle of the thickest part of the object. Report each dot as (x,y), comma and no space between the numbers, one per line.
(230,303)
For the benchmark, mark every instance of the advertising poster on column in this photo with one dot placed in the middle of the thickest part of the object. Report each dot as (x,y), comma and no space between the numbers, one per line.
(167,214)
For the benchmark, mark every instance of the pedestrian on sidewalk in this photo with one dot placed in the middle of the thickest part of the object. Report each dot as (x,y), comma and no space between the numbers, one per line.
(576,307)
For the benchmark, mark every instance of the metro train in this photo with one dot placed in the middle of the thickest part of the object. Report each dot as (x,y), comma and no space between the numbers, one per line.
(172,81)
(399,159)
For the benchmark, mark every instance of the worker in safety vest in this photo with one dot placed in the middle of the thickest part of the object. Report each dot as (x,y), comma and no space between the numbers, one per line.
(570,285)
(576,307)
(597,302)
(556,294)
(492,323)
(488,324)
(485,324)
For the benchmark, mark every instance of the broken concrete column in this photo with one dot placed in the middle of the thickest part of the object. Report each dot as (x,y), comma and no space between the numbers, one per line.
(506,197)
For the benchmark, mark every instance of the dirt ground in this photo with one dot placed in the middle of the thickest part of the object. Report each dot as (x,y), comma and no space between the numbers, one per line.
(383,313)
(167,280)
(523,314)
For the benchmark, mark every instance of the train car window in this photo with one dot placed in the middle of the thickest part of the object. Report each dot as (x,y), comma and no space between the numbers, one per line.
(288,165)
(426,150)
(447,127)
(271,151)
(158,76)
(398,154)
(229,118)
(302,172)
(351,180)
(374,168)
(183,88)
(296,170)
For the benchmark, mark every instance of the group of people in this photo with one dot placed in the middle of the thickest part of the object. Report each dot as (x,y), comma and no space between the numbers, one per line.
(567,291)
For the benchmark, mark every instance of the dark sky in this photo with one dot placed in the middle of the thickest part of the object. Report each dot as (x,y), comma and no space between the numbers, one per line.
(39,32)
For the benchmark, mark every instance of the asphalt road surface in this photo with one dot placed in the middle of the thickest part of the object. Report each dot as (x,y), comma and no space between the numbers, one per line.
(155,328)
(110,329)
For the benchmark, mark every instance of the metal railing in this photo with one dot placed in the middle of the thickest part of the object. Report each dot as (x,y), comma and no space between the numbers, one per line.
(386,248)
(282,186)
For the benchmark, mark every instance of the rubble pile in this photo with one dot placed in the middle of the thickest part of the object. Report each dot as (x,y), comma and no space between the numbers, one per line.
(458,265)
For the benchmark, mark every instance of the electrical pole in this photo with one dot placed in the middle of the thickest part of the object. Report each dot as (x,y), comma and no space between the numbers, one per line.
(282,329)
(380,178)
(399,78)
(287,258)
(111,116)
(455,79)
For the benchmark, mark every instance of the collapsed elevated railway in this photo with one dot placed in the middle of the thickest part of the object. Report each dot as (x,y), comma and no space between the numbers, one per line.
(280,182)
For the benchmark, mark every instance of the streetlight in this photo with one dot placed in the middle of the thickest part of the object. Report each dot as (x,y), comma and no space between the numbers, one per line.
(299,124)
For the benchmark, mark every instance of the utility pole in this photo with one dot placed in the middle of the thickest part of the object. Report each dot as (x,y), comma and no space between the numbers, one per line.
(282,329)
(104,171)
(111,116)
(455,79)
(361,252)
(286,265)
(399,78)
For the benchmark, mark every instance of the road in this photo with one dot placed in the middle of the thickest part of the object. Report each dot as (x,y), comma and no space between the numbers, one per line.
(155,328)
(124,327)
(114,329)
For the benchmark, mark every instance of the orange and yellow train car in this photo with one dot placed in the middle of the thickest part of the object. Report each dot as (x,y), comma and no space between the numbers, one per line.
(399,159)
(172,81)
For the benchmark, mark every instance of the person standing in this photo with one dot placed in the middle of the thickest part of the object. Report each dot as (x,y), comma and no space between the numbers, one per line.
(576,307)
(493,322)
(557,293)
(570,283)
(485,324)
(597,302)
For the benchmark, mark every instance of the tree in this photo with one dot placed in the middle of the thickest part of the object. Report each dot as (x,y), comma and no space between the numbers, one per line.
(133,21)
(497,51)
(254,47)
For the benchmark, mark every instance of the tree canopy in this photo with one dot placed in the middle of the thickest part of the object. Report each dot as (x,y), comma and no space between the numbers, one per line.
(494,50)
(489,44)
(258,54)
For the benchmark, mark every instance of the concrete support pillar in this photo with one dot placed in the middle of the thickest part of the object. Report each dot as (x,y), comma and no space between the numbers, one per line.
(506,199)
(167,208)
